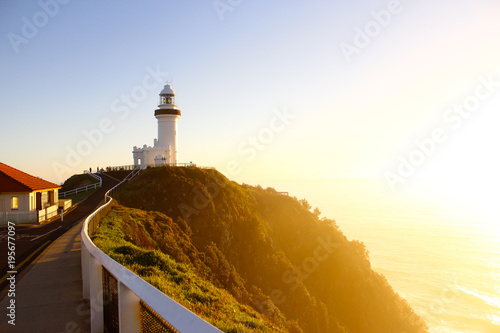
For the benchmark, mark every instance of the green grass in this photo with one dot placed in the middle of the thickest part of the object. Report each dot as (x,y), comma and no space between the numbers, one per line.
(77,181)
(181,281)
(75,198)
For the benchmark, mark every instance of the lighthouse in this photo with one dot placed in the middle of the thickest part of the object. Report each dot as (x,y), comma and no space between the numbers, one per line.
(164,149)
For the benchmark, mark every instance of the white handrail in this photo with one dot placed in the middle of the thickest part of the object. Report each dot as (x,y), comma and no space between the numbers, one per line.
(96,177)
(78,190)
(83,188)
(131,288)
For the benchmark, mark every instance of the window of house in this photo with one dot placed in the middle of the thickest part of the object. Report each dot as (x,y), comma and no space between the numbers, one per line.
(14,203)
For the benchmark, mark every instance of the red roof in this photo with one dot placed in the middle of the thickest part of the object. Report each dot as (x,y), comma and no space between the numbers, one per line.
(13,180)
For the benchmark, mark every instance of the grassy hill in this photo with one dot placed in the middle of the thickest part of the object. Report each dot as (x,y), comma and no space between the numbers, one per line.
(140,240)
(214,245)
(77,181)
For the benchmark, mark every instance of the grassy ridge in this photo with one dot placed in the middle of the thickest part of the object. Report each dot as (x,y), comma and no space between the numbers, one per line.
(77,181)
(268,251)
(156,234)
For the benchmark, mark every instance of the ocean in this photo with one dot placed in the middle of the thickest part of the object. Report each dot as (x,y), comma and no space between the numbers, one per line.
(438,247)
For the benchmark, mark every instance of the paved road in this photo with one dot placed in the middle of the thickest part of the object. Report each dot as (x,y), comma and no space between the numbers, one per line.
(31,241)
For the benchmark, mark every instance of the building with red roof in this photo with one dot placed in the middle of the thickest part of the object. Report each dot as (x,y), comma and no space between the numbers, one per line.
(25,198)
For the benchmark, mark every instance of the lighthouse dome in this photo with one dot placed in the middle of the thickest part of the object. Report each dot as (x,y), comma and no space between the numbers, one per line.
(167,90)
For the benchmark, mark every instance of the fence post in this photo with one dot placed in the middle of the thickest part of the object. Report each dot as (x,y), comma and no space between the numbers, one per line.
(96,293)
(85,272)
(129,310)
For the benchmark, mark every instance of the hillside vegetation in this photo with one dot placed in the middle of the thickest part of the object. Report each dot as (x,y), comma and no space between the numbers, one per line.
(248,259)
(77,181)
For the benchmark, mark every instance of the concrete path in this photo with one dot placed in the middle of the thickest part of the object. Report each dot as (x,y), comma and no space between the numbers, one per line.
(48,295)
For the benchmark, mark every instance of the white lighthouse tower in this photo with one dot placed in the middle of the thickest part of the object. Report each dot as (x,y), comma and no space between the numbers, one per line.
(164,150)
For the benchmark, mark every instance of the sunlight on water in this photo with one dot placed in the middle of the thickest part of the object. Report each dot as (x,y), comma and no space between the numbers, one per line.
(437,243)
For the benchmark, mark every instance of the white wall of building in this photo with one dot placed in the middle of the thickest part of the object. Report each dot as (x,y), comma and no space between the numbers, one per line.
(27,200)
(23,201)
(26,212)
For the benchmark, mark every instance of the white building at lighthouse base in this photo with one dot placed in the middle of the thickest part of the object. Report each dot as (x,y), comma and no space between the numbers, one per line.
(155,155)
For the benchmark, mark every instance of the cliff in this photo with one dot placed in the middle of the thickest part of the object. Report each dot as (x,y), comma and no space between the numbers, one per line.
(248,259)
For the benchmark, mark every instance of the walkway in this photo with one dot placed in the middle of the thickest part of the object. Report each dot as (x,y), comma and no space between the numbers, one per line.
(49,295)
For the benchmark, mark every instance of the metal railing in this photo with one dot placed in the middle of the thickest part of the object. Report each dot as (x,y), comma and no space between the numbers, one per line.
(137,303)
(145,166)
(83,188)
(99,179)
(129,167)
(79,190)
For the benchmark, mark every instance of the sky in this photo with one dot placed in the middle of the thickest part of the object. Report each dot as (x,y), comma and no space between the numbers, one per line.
(269,90)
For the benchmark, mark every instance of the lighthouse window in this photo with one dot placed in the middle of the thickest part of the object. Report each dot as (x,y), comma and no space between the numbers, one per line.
(169,100)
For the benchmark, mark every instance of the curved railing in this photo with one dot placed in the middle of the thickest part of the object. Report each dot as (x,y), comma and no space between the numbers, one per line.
(83,188)
(120,300)
(93,175)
